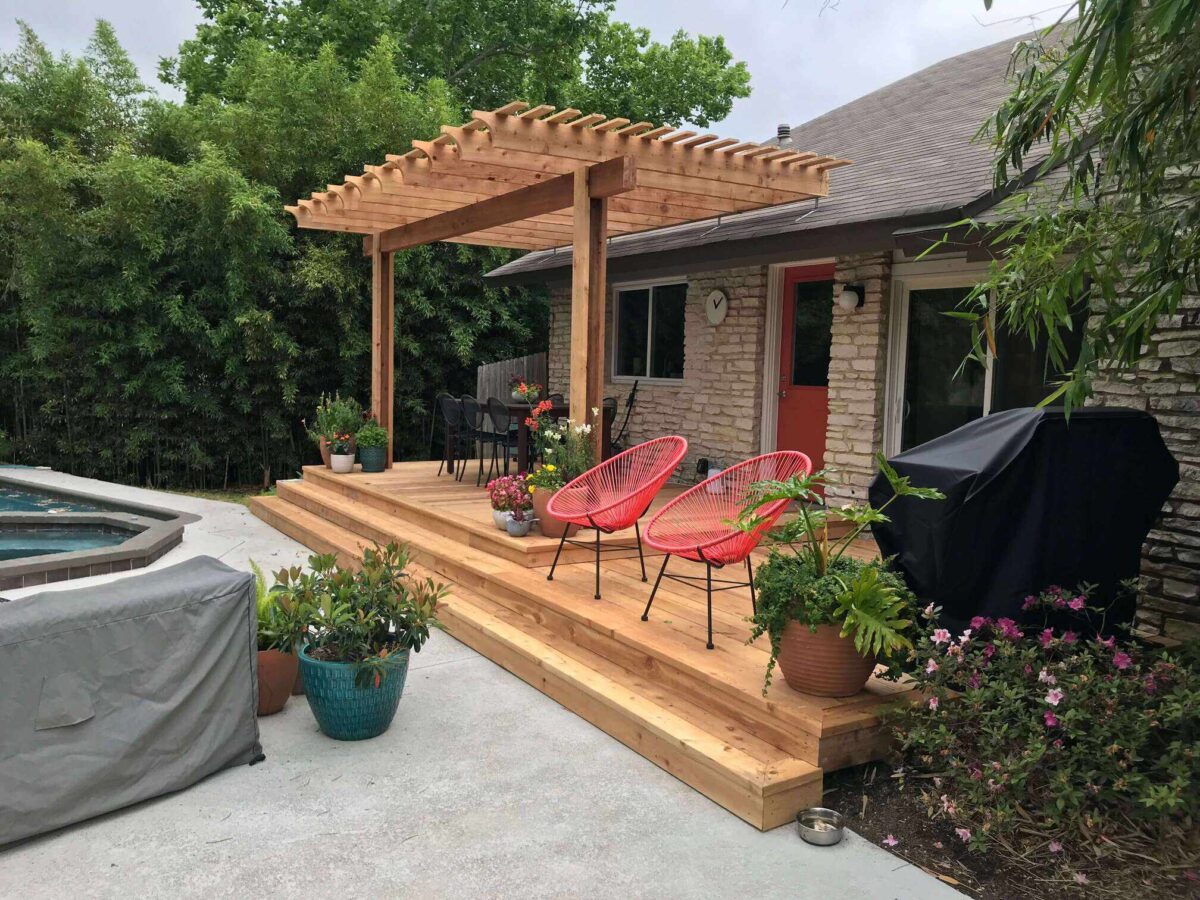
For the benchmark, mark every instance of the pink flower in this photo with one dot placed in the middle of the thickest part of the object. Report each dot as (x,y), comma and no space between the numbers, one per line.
(933,703)
(1050,719)
(940,636)
(1077,603)
(948,806)
(1150,684)
(1108,643)
(1060,603)
(1046,638)
(954,650)
(1046,678)
(1030,603)
(1069,637)
(1056,847)
(1122,660)
(940,846)
(974,681)
(989,651)
(1008,629)
(928,611)
(978,622)
(889,841)
(931,667)
(1080,878)
(1054,697)
(964,834)
(976,773)
(1028,669)
(965,636)
(1058,744)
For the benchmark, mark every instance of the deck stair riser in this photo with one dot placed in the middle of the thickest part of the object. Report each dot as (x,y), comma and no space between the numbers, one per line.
(699,714)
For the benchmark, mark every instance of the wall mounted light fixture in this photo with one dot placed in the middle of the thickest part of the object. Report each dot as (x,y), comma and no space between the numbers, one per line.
(851,297)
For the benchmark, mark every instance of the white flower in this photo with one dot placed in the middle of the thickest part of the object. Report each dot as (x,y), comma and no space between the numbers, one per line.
(595,411)
(1046,678)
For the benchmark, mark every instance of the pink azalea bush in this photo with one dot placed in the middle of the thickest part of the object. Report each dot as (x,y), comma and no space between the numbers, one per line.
(1037,736)
(509,494)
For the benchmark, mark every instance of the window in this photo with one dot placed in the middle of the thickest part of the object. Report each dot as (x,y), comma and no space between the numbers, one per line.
(648,334)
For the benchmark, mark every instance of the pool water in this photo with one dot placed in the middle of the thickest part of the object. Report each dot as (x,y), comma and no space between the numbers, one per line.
(17,542)
(17,500)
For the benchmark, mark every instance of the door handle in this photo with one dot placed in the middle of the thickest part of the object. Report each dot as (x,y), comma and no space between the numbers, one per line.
(782,394)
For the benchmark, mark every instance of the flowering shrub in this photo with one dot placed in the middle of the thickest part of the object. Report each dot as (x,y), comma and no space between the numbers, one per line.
(1048,743)
(341,443)
(525,390)
(508,494)
(568,446)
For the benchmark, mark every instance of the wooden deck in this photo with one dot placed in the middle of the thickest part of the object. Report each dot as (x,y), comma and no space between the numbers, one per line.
(699,714)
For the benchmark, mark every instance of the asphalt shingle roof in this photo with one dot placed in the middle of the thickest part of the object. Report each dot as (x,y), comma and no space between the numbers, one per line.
(913,152)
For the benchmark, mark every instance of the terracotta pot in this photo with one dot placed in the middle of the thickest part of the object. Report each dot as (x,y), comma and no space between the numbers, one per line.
(822,662)
(551,527)
(324,445)
(276,677)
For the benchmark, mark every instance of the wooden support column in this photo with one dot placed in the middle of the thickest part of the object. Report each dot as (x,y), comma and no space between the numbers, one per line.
(587,307)
(383,347)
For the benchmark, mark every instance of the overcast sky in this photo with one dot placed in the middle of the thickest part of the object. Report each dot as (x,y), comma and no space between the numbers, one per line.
(805,56)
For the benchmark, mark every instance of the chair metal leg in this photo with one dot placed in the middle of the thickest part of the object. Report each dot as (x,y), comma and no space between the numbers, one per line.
(561,541)
(597,563)
(641,558)
(479,477)
(708,573)
(657,582)
(750,579)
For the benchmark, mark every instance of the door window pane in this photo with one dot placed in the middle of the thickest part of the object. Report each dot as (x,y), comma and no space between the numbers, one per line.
(812,324)
(666,323)
(1022,374)
(633,327)
(935,400)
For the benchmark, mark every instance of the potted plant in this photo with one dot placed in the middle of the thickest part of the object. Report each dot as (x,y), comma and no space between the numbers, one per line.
(341,453)
(335,415)
(830,618)
(372,440)
(365,624)
(566,453)
(525,391)
(506,494)
(281,626)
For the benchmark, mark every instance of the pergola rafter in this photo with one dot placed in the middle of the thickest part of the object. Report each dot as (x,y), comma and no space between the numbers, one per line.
(535,178)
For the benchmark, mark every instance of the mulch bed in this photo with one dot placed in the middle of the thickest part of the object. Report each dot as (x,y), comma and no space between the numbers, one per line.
(876,806)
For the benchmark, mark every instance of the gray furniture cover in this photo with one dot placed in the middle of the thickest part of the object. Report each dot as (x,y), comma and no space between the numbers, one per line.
(124,691)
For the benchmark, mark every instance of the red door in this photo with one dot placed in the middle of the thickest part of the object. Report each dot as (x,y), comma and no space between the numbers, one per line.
(807,307)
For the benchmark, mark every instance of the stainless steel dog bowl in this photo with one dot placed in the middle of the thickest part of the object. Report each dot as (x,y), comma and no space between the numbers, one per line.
(820,826)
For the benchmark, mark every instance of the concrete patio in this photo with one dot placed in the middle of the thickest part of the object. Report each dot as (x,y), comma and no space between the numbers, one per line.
(482,787)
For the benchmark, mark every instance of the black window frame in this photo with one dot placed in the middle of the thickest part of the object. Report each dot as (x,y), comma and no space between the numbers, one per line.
(648,363)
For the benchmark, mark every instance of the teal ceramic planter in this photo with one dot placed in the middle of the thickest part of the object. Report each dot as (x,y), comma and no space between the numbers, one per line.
(344,711)
(373,459)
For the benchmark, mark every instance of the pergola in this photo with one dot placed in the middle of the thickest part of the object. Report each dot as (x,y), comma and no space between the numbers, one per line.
(535,178)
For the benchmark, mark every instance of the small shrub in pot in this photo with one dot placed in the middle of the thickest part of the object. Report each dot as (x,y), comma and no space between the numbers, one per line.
(830,618)
(365,624)
(334,415)
(282,625)
(372,440)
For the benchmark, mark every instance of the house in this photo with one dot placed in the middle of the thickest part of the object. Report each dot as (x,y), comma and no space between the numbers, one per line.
(817,325)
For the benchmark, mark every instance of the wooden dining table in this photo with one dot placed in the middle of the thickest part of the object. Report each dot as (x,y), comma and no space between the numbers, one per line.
(520,411)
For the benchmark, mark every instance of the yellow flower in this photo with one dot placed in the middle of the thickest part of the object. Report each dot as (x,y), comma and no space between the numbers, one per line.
(549,468)
(532,488)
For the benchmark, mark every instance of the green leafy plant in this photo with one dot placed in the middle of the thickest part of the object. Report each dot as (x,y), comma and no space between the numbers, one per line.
(1051,744)
(282,620)
(372,434)
(336,415)
(363,615)
(809,578)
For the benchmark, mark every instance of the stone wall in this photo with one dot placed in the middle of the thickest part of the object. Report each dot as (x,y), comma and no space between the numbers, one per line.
(718,404)
(857,373)
(1167,384)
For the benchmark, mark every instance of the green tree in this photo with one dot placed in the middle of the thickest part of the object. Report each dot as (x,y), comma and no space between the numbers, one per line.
(1105,108)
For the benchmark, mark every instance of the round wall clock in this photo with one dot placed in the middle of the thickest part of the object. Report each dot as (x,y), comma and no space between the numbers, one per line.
(715,307)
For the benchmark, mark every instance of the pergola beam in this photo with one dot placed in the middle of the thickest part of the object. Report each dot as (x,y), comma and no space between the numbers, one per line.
(383,348)
(613,176)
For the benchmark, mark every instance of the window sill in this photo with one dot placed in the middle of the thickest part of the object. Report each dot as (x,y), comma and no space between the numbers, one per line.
(659,382)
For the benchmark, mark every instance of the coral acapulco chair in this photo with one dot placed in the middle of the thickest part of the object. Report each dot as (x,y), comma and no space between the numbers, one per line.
(615,494)
(697,524)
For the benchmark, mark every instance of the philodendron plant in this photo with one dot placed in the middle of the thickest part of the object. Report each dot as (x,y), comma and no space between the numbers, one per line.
(810,578)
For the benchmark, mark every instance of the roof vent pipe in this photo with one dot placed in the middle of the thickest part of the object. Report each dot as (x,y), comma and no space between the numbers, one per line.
(784,133)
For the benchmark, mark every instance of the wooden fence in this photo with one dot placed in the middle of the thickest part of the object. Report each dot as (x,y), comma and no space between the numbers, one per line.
(493,379)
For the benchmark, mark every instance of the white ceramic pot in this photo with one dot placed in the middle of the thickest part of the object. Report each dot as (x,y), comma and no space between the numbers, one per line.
(515,528)
(341,463)
(499,518)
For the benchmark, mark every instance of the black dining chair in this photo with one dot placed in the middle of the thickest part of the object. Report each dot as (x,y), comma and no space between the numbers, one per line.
(471,428)
(503,434)
(451,412)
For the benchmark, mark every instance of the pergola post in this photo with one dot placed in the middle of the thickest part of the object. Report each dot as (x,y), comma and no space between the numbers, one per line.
(587,307)
(383,348)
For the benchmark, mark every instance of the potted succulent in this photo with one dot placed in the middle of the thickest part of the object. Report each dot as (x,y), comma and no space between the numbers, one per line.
(830,618)
(365,624)
(525,391)
(372,440)
(506,494)
(566,453)
(335,415)
(341,453)
(282,624)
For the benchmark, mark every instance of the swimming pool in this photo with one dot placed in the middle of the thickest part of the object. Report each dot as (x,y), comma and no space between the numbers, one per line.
(14,499)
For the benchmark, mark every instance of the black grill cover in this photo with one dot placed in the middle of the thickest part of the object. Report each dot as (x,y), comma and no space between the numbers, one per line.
(1032,499)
